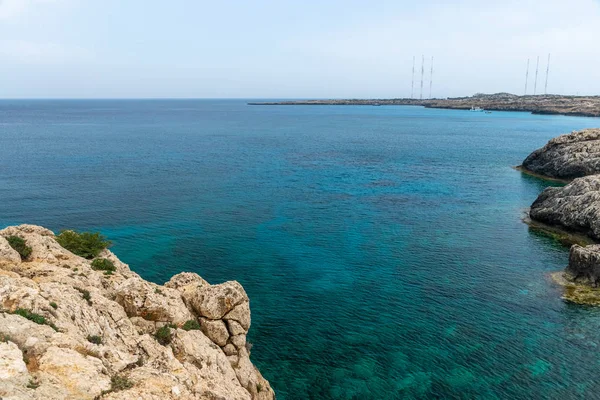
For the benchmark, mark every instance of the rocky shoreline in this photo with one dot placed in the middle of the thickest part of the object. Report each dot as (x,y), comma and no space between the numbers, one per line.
(585,106)
(573,208)
(90,328)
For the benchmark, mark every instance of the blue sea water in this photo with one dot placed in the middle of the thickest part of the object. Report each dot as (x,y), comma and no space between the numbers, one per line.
(382,247)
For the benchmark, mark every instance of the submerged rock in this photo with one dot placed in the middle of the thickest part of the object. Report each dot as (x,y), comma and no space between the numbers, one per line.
(68,331)
(574,207)
(567,156)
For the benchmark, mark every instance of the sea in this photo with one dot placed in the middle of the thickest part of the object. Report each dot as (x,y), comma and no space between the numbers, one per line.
(382,248)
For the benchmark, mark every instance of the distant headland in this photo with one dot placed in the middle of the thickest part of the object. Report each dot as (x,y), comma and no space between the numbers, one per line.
(587,106)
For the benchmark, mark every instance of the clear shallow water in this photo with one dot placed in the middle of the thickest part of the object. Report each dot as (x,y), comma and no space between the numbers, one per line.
(382,247)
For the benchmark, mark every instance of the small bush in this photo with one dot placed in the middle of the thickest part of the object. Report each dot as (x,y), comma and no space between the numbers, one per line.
(191,325)
(117,383)
(33,317)
(158,291)
(84,244)
(104,264)
(86,295)
(163,335)
(258,388)
(20,246)
(95,339)
(53,305)
(33,384)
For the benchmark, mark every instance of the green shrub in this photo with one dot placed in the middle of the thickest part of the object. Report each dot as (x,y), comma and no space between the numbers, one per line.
(95,339)
(84,244)
(33,384)
(104,264)
(118,383)
(163,335)
(20,246)
(191,325)
(86,295)
(33,317)
(53,305)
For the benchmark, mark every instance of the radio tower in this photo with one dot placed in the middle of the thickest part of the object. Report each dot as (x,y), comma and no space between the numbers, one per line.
(412,88)
(536,73)
(431,77)
(526,76)
(422,73)
(547,70)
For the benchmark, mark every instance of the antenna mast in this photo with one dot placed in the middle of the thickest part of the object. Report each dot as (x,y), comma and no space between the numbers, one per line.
(422,73)
(431,77)
(536,74)
(547,70)
(412,88)
(526,76)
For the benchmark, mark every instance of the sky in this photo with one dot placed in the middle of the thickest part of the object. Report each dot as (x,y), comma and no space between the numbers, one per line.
(294,49)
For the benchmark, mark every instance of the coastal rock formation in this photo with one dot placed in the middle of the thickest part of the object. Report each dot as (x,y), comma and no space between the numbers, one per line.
(584,265)
(68,331)
(574,207)
(581,278)
(567,156)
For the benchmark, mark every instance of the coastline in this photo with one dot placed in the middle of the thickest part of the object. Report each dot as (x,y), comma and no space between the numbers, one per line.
(525,171)
(577,106)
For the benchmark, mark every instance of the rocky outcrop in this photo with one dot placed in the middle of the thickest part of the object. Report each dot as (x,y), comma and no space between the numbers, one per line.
(574,207)
(581,278)
(568,156)
(584,265)
(68,331)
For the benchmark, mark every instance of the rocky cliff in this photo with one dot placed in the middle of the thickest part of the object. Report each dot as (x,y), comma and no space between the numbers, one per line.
(68,331)
(568,156)
(574,207)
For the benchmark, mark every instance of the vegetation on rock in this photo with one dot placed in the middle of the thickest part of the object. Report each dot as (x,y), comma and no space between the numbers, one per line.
(85,244)
(95,339)
(104,264)
(20,246)
(33,317)
(163,335)
(191,325)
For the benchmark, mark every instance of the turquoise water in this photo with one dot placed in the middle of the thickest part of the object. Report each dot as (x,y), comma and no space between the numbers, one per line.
(382,247)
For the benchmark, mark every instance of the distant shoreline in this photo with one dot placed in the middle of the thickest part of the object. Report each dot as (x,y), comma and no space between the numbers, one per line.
(580,106)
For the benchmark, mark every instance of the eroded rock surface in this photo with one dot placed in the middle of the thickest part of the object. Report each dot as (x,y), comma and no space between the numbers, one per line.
(97,339)
(574,207)
(568,156)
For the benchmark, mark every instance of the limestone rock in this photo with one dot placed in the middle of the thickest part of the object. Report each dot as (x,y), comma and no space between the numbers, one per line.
(86,329)
(215,330)
(140,298)
(12,365)
(574,207)
(217,300)
(568,156)
(584,265)
(8,256)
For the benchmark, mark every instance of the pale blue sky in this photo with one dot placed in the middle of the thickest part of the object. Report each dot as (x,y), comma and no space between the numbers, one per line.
(272,49)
